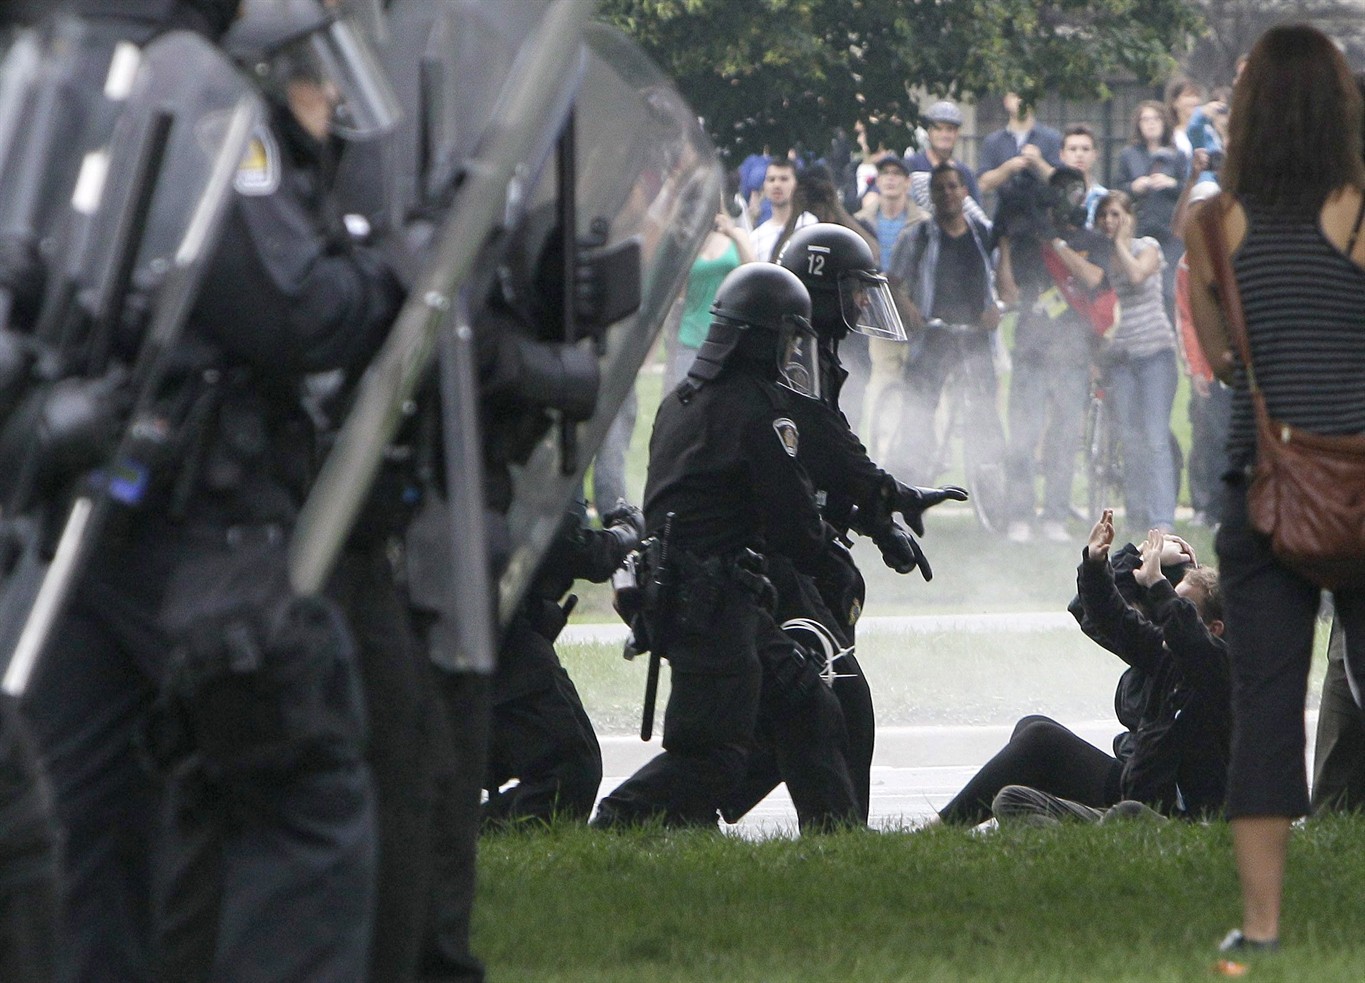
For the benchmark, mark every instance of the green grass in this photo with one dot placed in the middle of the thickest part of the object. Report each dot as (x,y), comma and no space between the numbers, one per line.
(1112,903)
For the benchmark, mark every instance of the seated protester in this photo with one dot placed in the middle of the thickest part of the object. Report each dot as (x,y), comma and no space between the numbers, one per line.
(1174,700)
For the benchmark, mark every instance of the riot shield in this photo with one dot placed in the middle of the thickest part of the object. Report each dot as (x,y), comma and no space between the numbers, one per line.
(22,60)
(145,214)
(448,61)
(508,150)
(645,172)
(52,114)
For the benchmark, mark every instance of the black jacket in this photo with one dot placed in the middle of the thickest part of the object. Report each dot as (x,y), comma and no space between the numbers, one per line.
(724,459)
(1175,697)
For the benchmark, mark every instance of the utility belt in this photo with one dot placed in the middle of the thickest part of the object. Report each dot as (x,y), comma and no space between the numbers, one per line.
(687,596)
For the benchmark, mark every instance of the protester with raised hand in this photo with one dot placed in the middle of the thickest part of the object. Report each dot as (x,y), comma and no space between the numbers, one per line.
(1172,699)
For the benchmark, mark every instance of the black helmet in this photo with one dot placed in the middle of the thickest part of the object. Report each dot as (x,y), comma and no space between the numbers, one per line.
(848,292)
(761,317)
(287,41)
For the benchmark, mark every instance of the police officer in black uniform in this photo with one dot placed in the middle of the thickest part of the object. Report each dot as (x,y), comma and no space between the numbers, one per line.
(271,855)
(724,486)
(541,735)
(29,883)
(848,294)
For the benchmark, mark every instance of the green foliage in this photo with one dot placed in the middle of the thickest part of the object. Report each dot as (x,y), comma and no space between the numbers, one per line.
(778,72)
(1115,902)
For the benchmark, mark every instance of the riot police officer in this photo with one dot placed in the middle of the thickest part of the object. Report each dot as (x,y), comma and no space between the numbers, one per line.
(848,294)
(724,487)
(186,605)
(541,736)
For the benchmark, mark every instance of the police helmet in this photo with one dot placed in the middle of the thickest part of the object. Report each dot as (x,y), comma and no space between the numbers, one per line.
(761,317)
(287,42)
(847,291)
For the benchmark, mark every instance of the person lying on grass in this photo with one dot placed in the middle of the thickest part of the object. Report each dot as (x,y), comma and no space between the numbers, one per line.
(1173,698)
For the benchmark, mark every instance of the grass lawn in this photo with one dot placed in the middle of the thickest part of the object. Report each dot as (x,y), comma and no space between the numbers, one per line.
(1105,903)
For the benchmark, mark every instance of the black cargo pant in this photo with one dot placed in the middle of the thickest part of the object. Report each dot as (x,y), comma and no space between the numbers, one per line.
(739,683)
(709,722)
(290,886)
(801,729)
(541,736)
(29,886)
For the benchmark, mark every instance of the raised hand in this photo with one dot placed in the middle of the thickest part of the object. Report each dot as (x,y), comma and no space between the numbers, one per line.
(1101,537)
(1150,571)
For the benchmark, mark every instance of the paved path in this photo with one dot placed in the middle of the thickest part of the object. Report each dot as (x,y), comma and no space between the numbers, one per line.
(915,770)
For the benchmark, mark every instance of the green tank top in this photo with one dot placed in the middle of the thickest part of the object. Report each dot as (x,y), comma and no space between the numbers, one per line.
(702,284)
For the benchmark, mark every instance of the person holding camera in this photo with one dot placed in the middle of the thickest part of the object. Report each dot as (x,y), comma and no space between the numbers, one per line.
(1139,366)
(1161,613)
(1152,170)
(944,266)
(1050,267)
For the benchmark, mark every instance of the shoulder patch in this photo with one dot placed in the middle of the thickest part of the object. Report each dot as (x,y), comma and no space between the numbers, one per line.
(788,434)
(259,171)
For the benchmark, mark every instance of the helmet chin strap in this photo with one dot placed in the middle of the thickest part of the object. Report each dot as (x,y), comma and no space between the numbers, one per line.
(827,315)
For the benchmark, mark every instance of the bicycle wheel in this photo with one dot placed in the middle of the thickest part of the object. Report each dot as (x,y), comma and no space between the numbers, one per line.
(1103,472)
(884,424)
(986,486)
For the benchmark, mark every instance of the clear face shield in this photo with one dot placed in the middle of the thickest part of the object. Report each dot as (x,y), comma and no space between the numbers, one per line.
(867,306)
(798,359)
(333,80)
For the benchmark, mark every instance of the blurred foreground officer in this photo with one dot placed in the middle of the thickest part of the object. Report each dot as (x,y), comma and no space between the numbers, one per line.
(723,486)
(29,878)
(259,721)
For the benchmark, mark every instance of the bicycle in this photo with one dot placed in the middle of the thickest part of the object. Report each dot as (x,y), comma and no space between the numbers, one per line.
(1103,468)
(1104,461)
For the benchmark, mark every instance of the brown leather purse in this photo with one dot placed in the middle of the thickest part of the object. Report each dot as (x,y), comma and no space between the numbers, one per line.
(1307,492)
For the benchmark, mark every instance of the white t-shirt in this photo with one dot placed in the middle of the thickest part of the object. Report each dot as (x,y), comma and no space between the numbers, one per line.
(765,237)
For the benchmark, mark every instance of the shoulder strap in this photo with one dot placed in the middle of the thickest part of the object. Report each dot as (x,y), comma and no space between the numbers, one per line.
(1230,298)
(1355,229)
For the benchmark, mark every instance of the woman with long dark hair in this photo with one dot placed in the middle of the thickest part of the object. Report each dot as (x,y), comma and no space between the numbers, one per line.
(1291,217)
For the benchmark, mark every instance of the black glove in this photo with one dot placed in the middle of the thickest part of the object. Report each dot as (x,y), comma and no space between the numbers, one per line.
(912,502)
(901,553)
(626,523)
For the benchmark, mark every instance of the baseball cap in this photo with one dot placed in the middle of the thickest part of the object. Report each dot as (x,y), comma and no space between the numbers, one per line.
(944,111)
(893,160)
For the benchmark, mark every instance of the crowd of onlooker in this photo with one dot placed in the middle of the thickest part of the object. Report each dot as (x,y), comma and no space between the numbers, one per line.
(1089,276)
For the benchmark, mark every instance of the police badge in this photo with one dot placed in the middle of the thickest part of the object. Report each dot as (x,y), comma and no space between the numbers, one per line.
(787,433)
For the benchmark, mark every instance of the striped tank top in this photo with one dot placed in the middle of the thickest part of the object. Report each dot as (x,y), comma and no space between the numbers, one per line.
(1305,312)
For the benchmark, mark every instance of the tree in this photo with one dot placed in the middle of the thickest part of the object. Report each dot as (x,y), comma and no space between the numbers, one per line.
(1234,26)
(783,72)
